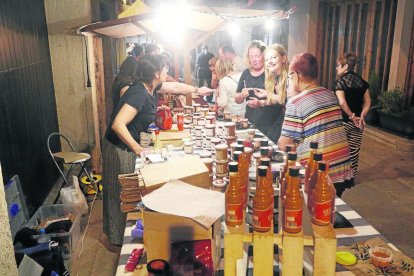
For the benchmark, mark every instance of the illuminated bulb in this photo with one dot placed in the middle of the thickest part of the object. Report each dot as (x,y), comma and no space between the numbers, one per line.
(233,29)
(269,24)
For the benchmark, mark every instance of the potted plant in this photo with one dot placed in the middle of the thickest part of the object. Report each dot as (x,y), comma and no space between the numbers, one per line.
(374,91)
(393,115)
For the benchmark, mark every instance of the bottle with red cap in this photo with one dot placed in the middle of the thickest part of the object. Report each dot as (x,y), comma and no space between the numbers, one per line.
(313,148)
(293,204)
(262,203)
(322,197)
(233,198)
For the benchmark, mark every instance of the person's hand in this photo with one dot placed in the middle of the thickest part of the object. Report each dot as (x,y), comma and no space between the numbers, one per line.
(260,93)
(357,121)
(253,103)
(245,92)
(205,91)
(163,106)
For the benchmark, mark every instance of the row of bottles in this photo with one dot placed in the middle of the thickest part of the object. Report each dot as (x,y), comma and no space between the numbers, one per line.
(236,192)
(317,186)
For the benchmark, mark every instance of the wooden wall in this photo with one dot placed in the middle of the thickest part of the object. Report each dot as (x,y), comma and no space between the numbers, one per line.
(365,27)
(27,100)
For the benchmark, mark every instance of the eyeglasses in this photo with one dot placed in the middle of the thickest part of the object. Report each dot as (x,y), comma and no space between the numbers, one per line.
(289,77)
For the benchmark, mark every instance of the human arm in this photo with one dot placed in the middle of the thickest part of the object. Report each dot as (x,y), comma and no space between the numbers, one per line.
(292,128)
(182,88)
(366,106)
(242,92)
(264,97)
(284,141)
(222,94)
(125,115)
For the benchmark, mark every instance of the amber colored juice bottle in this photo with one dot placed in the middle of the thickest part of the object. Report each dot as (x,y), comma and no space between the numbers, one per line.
(322,197)
(233,198)
(313,148)
(290,162)
(293,204)
(269,178)
(262,204)
(313,173)
(244,176)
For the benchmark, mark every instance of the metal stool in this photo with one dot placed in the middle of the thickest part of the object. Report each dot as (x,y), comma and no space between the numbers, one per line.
(70,157)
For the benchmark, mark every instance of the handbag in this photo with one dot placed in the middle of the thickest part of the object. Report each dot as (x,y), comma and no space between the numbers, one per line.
(163,119)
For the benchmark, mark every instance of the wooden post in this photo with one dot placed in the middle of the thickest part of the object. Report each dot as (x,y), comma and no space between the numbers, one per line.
(263,253)
(292,254)
(95,60)
(233,244)
(187,77)
(324,261)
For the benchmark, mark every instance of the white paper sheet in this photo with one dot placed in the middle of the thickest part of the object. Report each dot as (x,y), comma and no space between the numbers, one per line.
(182,199)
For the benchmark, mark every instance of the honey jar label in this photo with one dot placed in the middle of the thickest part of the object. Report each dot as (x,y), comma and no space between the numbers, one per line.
(262,219)
(221,168)
(234,212)
(322,211)
(293,220)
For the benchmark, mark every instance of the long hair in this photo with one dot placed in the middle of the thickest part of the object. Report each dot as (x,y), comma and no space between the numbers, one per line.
(127,76)
(223,68)
(270,81)
(253,44)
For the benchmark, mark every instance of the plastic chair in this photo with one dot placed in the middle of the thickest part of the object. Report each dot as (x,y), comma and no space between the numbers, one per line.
(70,157)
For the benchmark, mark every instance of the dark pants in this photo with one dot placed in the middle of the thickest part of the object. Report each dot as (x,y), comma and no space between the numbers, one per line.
(205,75)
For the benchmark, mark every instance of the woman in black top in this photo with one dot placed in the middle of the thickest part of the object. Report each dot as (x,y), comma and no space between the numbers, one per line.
(353,95)
(266,117)
(132,115)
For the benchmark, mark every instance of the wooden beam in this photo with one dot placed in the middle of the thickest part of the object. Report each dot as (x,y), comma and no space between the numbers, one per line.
(379,45)
(369,40)
(95,60)
(388,47)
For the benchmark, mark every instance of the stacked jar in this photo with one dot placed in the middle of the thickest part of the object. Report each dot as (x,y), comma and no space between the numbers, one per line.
(221,161)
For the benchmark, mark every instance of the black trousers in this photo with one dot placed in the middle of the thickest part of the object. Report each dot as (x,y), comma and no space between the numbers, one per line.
(205,75)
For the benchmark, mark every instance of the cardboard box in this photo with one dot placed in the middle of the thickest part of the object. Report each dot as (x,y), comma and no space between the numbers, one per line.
(189,169)
(172,138)
(163,229)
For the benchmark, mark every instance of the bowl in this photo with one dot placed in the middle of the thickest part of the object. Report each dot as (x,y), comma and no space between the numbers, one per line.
(380,256)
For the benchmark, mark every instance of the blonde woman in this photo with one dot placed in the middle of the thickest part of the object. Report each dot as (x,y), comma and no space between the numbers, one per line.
(276,75)
(228,81)
(263,109)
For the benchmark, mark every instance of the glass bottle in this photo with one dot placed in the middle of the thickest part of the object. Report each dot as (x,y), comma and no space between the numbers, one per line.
(313,179)
(290,162)
(262,204)
(237,157)
(313,148)
(322,197)
(293,204)
(269,177)
(233,198)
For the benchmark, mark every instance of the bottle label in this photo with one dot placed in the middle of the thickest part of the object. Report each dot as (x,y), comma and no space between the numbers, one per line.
(293,220)
(234,212)
(262,219)
(322,211)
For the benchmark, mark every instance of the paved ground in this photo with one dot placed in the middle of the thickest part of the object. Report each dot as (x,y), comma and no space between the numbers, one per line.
(384,196)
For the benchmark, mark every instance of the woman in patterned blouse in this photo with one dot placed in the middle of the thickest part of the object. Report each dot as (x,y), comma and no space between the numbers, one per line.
(315,115)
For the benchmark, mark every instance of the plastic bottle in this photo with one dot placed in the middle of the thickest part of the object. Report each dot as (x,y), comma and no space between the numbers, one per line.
(233,198)
(322,197)
(313,148)
(293,204)
(262,203)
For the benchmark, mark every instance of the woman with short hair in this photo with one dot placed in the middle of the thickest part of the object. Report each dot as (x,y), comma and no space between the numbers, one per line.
(315,115)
